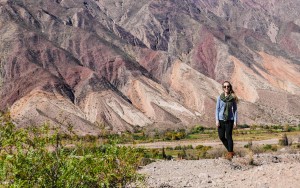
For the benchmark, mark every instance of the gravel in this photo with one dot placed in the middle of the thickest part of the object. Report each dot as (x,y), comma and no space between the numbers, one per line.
(263,170)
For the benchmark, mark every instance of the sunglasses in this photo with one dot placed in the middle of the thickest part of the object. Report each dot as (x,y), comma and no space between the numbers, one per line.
(227,86)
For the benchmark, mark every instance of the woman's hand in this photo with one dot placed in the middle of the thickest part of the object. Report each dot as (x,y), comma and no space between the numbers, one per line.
(217,123)
(234,125)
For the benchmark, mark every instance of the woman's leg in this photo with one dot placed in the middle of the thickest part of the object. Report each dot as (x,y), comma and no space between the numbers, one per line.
(229,128)
(221,133)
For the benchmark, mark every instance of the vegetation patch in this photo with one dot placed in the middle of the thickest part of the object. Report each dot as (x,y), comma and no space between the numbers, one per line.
(35,158)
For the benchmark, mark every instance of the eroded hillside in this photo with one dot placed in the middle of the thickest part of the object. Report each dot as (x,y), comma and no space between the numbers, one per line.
(148,63)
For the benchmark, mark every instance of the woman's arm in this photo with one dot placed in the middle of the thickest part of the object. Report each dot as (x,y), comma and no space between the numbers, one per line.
(217,111)
(235,113)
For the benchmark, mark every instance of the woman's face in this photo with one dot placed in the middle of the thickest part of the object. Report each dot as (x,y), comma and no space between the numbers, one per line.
(226,87)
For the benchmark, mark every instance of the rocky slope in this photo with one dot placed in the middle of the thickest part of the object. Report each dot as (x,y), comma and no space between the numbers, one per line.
(147,63)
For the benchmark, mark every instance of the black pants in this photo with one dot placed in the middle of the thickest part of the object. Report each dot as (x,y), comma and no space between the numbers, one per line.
(225,134)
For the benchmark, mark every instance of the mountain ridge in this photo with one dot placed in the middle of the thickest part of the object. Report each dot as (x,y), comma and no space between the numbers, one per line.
(147,63)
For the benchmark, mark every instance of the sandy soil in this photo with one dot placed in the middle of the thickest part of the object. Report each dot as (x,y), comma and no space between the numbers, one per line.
(268,170)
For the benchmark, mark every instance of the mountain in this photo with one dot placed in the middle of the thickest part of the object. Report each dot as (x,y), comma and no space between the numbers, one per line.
(148,63)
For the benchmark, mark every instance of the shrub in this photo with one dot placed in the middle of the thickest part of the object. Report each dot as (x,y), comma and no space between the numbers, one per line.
(250,158)
(197,129)
(287,128)
(253,127)
(203,151)
(182,154)
(168,136)
(249,145)
(269,147)
(297,146)
(284,140)
(257,150)
(270,130)
(178,148)
(216,153)
(139,136)
(183,147)
(174,135)
(264,148)
(243,126)
(169,148)
(164,153)
(241,152)
(277,127)
(199,147)
(267,127)
(178,135)
(155,153)
(35,158)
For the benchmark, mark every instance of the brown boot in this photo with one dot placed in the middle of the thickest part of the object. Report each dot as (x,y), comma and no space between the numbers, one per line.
(230,155)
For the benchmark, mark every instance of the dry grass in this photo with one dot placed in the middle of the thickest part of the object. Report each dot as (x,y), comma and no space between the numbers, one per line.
(216,152)
(263,135)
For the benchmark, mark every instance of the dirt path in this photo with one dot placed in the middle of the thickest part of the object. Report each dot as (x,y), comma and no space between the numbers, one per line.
(198,142)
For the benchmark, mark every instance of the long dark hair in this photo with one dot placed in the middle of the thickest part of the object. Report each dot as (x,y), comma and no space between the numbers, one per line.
(231,90)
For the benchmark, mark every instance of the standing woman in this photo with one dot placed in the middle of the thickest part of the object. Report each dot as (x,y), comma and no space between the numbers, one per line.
(226,116)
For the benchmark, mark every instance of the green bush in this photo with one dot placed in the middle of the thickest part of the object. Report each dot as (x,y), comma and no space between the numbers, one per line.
(269,147)
(288,128)
(267,127)
(277,127)
(199,147)
(243,126)
(35,158)
(203,151)
(178,148)
(197,129)
(169,148)
(182,154)
(174,135)
(155,154)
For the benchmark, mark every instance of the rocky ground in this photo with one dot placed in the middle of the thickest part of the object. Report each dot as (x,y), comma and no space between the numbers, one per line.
(260,170)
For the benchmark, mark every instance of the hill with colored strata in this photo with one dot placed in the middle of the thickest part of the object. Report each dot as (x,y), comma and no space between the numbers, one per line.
(157,64)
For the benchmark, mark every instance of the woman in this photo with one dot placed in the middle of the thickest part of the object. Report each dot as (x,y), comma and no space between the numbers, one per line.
(226,117)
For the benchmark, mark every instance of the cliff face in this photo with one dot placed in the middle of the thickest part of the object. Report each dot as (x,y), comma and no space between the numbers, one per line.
(147,63)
